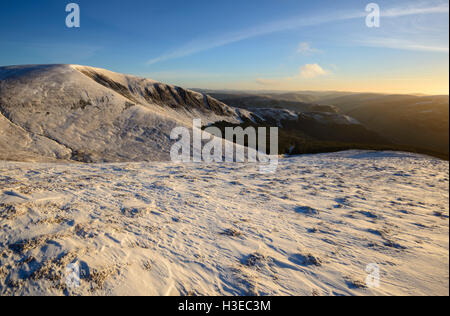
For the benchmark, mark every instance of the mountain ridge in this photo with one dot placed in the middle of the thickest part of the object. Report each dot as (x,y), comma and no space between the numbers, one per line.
(87,114)
(417,122)
(98,115)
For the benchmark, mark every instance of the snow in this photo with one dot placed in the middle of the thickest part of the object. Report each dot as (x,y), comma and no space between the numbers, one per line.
(145,226)
(327,118)
(56,112)
(159,228)
(276,114)
(79,113)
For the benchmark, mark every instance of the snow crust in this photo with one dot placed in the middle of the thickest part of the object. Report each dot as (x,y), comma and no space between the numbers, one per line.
(181,229)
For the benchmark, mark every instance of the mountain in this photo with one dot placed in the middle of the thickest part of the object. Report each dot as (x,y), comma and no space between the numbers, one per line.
(85,114)
(415,122)
(418,121)
(327,224)
(70,112)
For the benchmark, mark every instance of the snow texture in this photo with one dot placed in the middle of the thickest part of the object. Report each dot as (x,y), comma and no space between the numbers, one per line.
(194,229)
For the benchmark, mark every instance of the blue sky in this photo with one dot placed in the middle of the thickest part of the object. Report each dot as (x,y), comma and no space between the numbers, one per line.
(251,44)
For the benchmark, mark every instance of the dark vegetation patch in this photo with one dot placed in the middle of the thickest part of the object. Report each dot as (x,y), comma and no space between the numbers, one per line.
(8,211)
(134,212)
(82,104)
(255,260)
(306,210)
(231,232)
(22,246)
(82,156)
(306,260)
(129,105)
(355,284)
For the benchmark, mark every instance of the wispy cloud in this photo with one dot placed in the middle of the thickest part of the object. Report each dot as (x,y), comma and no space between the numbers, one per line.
(305,48)
(415,9)
(199,45)
(401,44)
(310,71)
(306,72)
(184,74)
(267,82)
(203,44)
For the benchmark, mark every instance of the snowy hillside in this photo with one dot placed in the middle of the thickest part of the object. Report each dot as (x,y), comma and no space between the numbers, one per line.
(166,229)
(94,115)
(86,114)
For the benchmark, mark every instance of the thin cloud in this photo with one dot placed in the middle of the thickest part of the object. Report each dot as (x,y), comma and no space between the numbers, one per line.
(184,74)
(310,71)
(400,44)
(305,48)
(267,82)
(204,44)
(415,10)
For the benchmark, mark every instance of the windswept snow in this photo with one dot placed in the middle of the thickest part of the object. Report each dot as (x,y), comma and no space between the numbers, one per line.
(180,229)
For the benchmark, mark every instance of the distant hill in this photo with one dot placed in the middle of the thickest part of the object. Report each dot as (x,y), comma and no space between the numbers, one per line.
(420,123)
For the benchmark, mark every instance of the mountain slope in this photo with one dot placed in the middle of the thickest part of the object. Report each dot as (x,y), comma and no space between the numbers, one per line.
(93,115)
(18,144)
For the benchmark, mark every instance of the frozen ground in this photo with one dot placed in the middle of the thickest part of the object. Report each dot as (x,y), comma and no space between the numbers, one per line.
(165,229)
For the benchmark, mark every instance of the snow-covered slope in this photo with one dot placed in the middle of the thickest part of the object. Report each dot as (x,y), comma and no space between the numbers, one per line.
(19,145)
(90,114)
(87,114)
(312,228)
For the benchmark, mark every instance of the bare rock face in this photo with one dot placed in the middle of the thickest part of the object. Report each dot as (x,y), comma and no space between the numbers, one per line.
(69,112)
